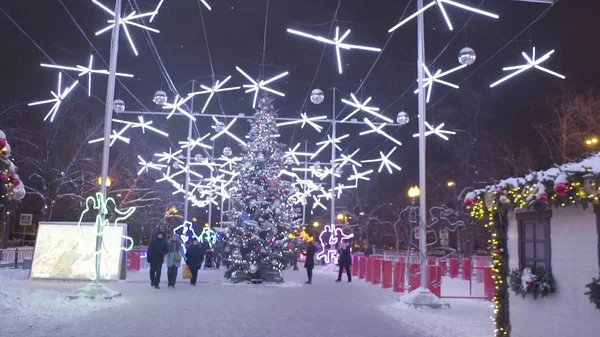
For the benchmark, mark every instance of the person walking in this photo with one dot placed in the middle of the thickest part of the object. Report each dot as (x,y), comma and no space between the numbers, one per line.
(174,259)
(345,261)
(193,256)
(309,264)
(217,254)
(155,255)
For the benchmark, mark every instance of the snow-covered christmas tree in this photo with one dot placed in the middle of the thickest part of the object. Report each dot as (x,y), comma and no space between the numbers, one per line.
(259,245)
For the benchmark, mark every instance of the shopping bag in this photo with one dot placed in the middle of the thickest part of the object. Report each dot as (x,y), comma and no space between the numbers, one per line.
(186,271)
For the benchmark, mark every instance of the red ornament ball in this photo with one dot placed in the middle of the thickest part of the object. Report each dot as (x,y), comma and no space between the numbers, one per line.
(469,202)
(3,177)
(543,198)
(561,189)
(16,181)
(2,143)
(500,191)
(291,245)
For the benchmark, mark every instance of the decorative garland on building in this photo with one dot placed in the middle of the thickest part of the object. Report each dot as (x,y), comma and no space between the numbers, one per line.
(532,280)
(566,185)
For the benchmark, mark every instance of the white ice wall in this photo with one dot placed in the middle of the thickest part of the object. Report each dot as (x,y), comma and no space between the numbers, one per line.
(568,312)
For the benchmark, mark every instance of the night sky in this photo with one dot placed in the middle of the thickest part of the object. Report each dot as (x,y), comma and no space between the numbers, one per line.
(234,33)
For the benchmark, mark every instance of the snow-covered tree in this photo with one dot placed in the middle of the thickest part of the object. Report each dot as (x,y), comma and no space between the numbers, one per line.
(259,245)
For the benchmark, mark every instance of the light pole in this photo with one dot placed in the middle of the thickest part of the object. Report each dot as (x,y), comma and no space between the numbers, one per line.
(95,289)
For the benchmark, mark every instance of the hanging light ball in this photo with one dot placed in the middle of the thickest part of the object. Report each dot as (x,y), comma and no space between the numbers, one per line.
(339,171)
(467,56)
(227,151)
(118,106)
(160,97)
(402,118)
(198,158)
(317,96)
(289,160)
(219,126)
(176,165)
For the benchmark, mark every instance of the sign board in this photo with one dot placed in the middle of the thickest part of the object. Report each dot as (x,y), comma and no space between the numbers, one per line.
(26,219)
(66,251)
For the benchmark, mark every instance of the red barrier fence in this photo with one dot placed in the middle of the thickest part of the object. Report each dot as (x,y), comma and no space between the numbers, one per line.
(388,274)
(377,271)
(453,267)
(354,265)
(399,276)
(466,269)
(362,267)
(369,276)
(133,259)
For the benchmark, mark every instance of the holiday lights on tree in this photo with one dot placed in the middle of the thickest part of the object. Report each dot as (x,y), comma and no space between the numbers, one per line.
(11,187)
(256,247)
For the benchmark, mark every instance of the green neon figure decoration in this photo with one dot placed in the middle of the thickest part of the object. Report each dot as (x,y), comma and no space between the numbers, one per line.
(208,235)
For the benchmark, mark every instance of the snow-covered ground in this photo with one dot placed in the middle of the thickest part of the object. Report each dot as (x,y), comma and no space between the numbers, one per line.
(218,309)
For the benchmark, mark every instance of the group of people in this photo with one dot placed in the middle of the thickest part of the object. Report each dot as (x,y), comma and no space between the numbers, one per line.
(171,250)
(344,261)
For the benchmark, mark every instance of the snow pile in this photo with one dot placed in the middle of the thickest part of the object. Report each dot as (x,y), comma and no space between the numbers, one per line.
(465,318)
(329,268)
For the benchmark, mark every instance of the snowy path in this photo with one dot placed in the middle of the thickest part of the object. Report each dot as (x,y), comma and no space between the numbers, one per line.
(217,309)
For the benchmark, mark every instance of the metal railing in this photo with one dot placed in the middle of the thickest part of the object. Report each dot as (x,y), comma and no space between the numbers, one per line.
(15,256)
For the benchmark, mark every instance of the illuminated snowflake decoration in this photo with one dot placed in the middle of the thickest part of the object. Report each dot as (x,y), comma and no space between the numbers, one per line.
(304,119)
(532,63)
(363,107)
(385,161)
(218,87)
(114,137)
(337,41)
(155,13)
(435,78)
(438,131)
(144,125)
(378,130)
(440,5)
(59,96)
(262,85)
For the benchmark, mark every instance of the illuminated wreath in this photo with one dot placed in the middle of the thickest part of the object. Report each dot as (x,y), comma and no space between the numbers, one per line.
(532,280)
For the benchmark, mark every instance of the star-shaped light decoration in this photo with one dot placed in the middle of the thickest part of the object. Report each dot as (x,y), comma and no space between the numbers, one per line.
(125,21)
(428,82)
(226,131)
(179,105)
(363,107)
(143,125)
(348,159)
(59,96)
(359,175)
(385,161)
(161,3)
(89,70)
(114,136)
(304,119)
(293,153)
(532,63)
(168,157)
(317,203)
(262,85)
(438,131)
(100,204)
(332,141)
(192,143)
(440,4)
(148,165)
(337,41)
(229,161)
(218,87)
(378,130)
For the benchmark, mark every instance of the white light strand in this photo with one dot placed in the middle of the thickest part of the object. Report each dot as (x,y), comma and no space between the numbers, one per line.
(438,131)
(142,124)
(59,96)
(359,175)
(531,63)
(161,3)
(332,141)
(363,107)
(114,136)
(378,130)
(178,105)
(218,87)
(337,41)
(226,131)
(428,82)
(262,85)
(440,4)
(385,161)
(125,21)
(306,120)
(89,70)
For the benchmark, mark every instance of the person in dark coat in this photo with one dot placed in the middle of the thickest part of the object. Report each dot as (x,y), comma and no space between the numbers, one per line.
(217,254)
(193,256)
(309,264)
(157,250)
(345,261)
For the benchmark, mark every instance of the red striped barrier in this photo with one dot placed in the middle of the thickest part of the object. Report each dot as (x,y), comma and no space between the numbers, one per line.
(369,269)
(431,261)
(354,265)
(466,269)
(453,267)
(489,286)
(414,276)
(388,273)
(399,276)
(376,271)
(362,267)
(434,276)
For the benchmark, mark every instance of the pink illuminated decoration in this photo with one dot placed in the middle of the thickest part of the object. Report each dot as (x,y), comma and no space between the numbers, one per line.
(336,235)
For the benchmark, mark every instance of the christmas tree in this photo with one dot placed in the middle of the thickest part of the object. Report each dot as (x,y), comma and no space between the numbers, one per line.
(11,188)
(260,243)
